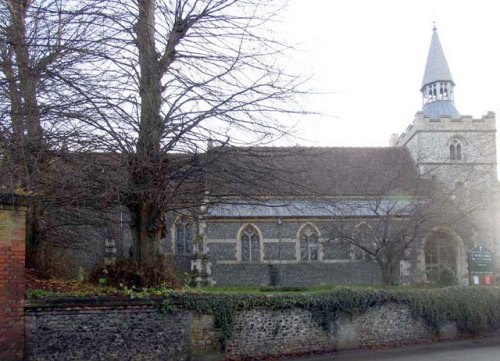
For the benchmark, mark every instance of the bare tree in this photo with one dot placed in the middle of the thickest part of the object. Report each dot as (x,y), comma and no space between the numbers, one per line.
(178,74)
(390,227)
(389,221)
(47,49)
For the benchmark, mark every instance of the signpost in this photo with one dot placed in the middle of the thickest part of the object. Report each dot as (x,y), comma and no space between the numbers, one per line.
(481,267)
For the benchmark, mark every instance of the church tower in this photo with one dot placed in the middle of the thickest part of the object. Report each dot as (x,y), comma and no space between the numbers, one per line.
(457,151)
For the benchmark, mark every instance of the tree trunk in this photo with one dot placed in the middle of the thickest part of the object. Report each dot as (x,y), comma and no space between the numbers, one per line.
(33,235)
(28,145)
(147,226)
(148,219)
(151,124)
(389,273)
(27,82)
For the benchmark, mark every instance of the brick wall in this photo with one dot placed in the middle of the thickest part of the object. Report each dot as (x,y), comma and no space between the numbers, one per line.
(12,253)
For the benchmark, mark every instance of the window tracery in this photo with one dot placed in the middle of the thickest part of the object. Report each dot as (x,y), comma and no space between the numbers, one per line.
(456,150)
(309,243)
(250,244)
(440,256)
(184,236)
(363,238)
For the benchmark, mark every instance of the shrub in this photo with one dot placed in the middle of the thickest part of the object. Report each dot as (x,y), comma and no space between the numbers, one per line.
(447,278)
(52,262)
(283,289)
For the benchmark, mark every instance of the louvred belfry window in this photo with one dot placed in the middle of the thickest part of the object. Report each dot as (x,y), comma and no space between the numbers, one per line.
(455,150)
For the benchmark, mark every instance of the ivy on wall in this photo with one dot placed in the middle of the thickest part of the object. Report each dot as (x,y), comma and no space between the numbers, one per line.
(474,310)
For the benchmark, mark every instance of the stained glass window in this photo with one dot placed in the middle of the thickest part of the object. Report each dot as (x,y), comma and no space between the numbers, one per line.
(184,236)
(363,239)
(250,244)
(308,239)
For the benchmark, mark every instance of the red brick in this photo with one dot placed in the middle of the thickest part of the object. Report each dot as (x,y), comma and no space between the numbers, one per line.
(12,284)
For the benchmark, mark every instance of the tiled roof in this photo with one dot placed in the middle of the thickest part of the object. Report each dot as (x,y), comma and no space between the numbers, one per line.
(274,208)
(302,171)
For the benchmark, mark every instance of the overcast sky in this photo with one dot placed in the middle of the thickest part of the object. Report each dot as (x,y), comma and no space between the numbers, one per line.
(370,57)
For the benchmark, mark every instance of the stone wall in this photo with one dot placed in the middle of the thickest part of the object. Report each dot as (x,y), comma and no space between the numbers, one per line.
(138,330)
(263,332)
(471,181)
(280,253)
(12,276)
(297,274)
(108,331)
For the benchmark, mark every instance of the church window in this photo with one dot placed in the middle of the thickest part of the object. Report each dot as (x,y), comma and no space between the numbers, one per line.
(250,244)
(440,257)
(452,152)
(363,239)
(308,241)
(455,150)
(184,236)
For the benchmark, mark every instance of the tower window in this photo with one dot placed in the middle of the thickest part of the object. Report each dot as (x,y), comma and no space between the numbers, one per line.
(455,150)
(452,152)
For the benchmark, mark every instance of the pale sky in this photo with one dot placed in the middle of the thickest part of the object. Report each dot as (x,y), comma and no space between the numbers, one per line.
(370,56)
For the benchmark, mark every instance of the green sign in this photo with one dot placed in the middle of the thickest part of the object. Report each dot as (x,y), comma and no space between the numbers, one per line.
(481,267)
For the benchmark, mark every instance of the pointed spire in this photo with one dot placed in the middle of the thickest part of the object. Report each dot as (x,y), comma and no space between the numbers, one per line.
(436,68)
(437,85)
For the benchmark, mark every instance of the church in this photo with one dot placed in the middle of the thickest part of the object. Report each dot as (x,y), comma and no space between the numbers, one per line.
(403,214)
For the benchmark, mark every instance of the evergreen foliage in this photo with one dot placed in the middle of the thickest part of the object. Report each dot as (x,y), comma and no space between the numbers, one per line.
(475,310)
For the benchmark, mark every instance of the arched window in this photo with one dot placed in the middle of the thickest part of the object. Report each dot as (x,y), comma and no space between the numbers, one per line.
(184,236)
(440,257)
(308,239)
(363,238)
(456,150)
(250,244)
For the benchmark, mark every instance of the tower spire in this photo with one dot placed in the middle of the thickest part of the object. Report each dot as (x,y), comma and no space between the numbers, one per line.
(437,84)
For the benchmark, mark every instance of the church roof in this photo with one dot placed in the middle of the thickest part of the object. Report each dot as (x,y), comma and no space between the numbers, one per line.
(436,68)
(341,207)
(310,172)
(441,108)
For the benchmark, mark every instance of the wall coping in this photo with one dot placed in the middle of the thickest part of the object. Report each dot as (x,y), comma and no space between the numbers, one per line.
(10,200)
(68,303)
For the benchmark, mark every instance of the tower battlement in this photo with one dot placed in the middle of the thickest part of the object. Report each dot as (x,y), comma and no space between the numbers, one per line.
(466,123)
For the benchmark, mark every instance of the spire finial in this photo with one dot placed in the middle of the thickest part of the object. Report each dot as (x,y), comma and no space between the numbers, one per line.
(434,26)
